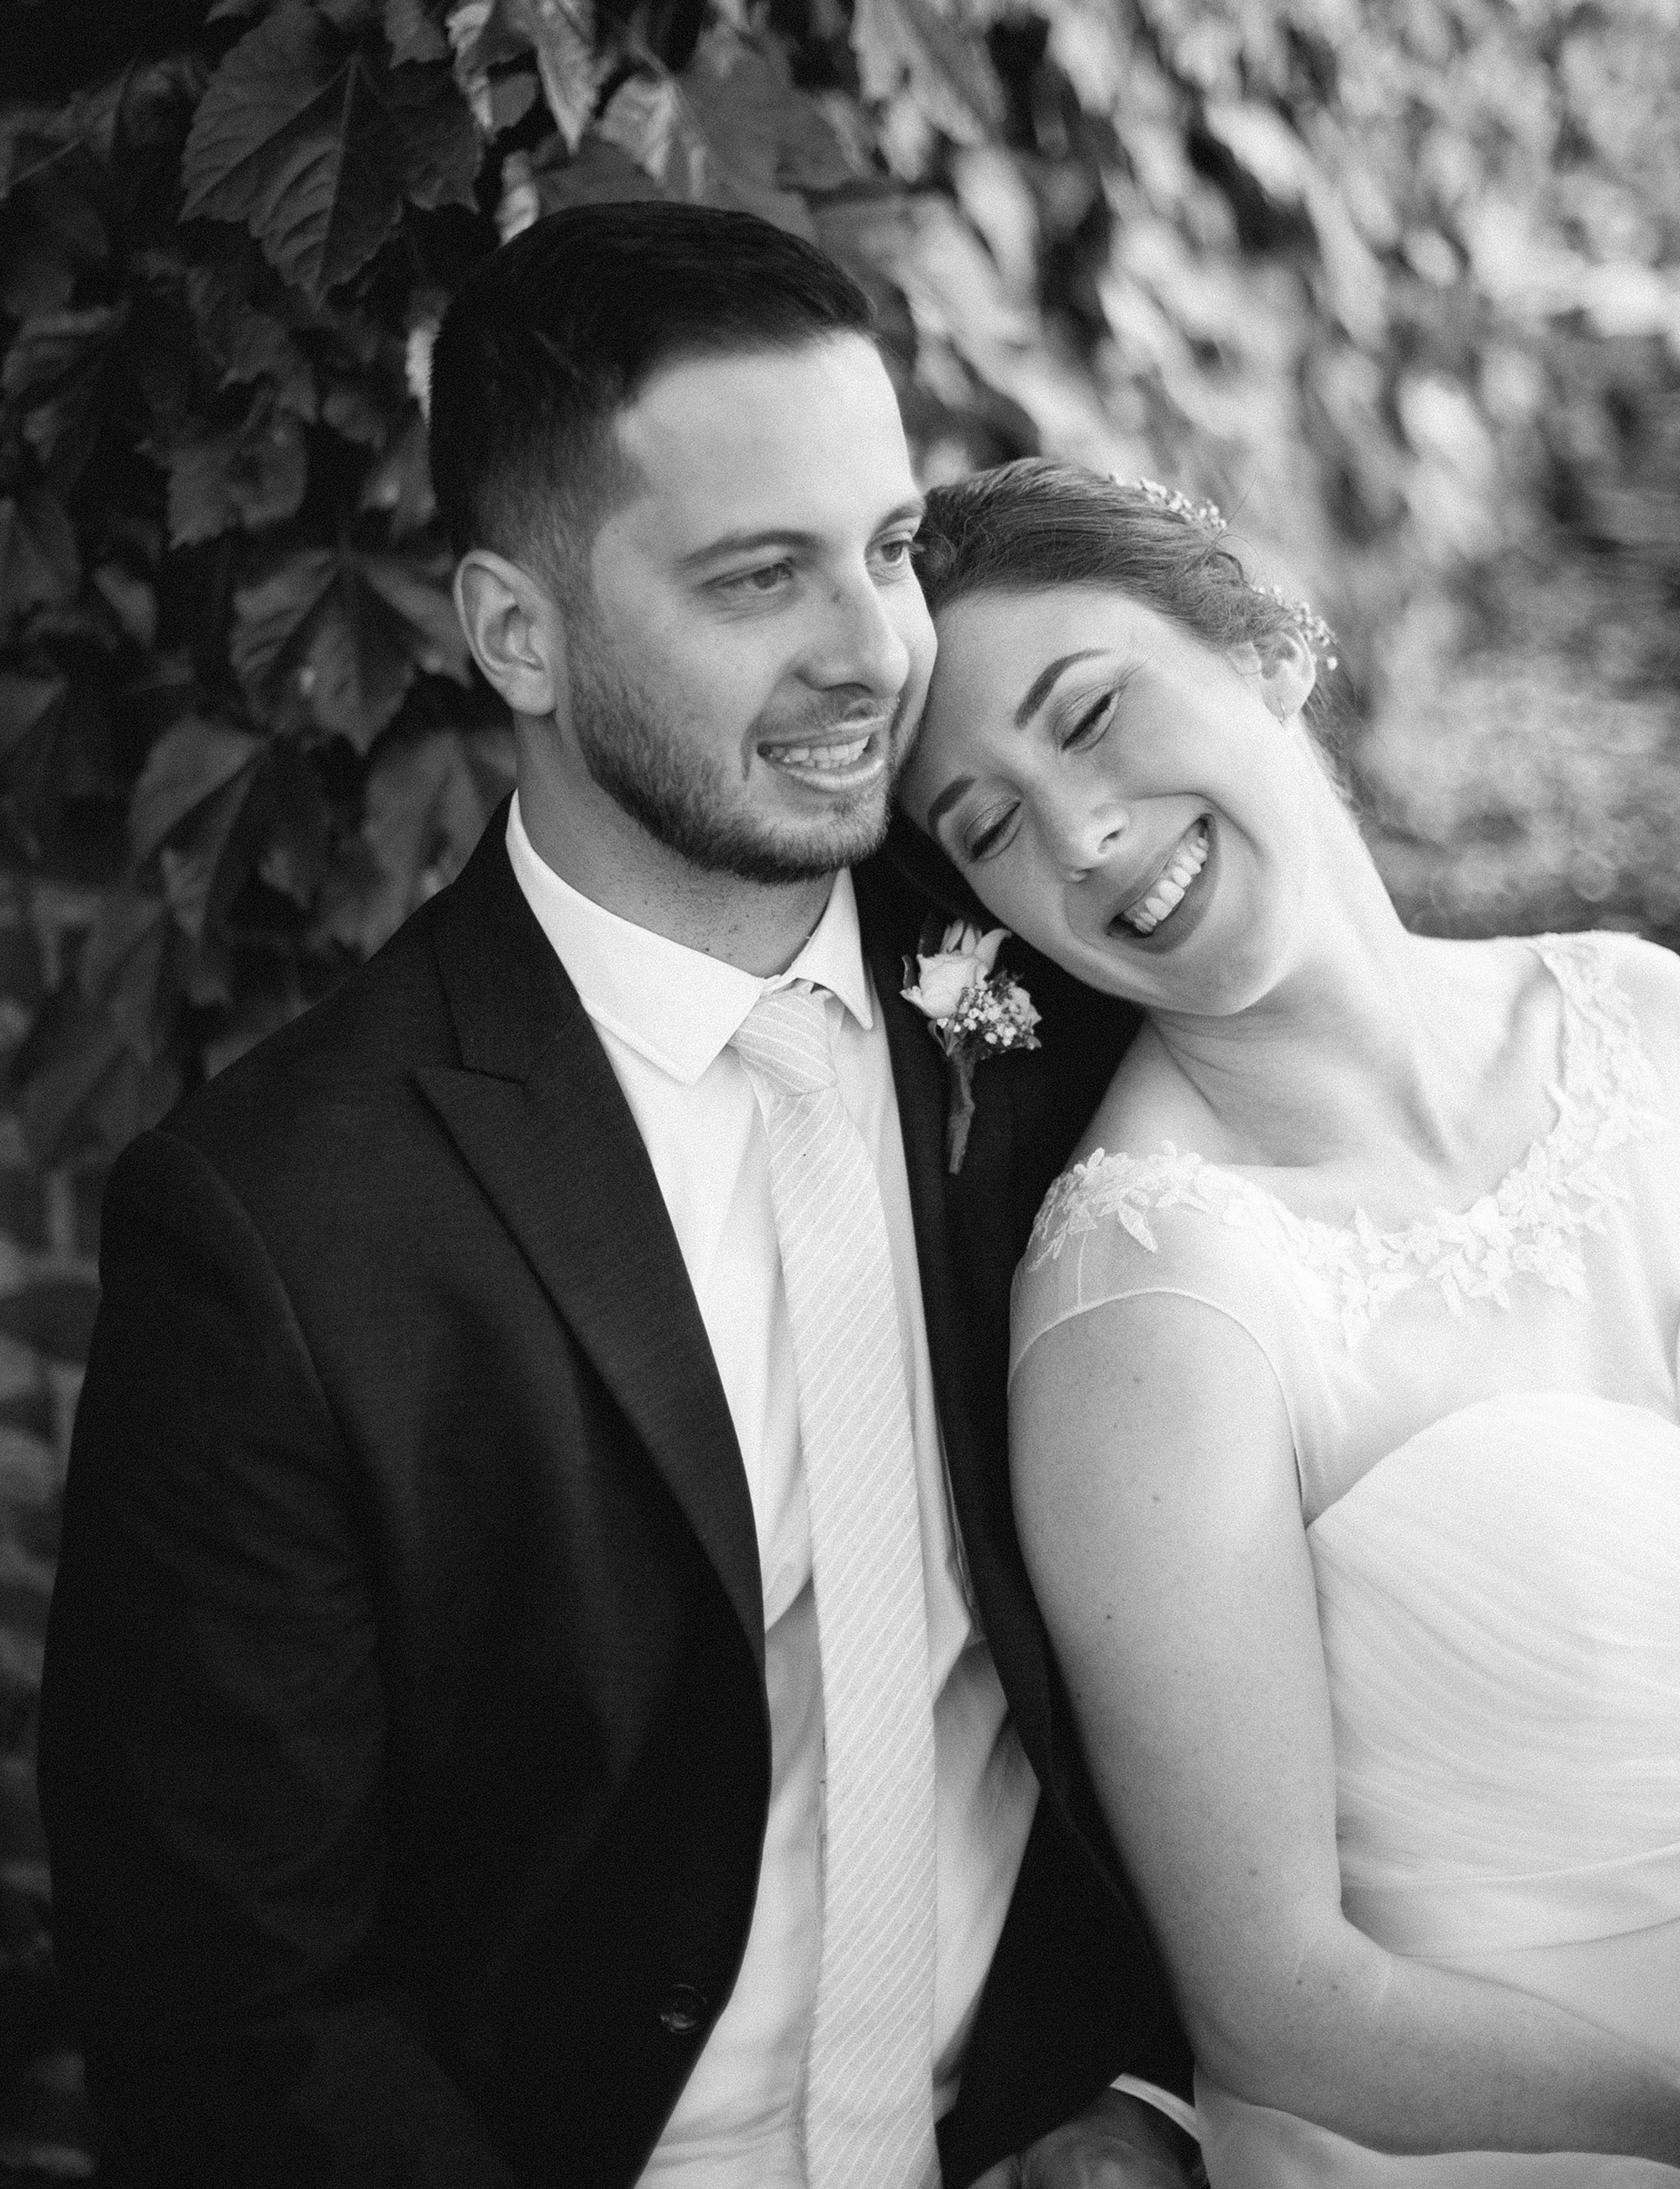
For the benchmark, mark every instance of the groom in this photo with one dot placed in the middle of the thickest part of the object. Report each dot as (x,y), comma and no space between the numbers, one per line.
(542,1686)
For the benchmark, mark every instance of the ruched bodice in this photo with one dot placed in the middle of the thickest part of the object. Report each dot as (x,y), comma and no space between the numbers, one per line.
(1486,1432)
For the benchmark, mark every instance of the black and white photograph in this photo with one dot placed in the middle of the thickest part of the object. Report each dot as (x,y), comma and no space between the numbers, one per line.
(840,1156)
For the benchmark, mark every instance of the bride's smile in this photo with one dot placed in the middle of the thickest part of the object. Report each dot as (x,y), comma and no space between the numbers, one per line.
(1139,804)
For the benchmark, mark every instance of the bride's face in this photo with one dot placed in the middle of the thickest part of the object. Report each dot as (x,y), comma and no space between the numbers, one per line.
(1142,807)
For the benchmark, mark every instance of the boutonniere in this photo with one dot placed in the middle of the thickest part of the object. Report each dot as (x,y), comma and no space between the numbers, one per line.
(972,1011)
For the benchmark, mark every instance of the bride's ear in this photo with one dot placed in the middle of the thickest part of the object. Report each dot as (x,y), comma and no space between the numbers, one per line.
(1282,670)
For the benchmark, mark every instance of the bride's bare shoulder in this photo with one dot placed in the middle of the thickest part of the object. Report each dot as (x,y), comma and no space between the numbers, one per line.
(1649,977)
(1148,1102)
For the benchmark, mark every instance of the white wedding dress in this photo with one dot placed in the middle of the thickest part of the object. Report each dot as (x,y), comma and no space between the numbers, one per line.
(1486,1431)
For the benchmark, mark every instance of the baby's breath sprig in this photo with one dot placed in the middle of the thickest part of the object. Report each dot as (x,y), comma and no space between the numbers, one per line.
(973,1011)
(1315,635)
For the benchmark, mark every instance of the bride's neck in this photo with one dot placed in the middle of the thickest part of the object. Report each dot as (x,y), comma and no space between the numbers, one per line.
(1376,1042)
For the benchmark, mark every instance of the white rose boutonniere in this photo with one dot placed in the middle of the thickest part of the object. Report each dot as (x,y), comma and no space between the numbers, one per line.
(972,1011)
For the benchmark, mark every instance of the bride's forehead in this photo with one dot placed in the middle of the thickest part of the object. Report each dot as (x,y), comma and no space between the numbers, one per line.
(981,624)
(995,646)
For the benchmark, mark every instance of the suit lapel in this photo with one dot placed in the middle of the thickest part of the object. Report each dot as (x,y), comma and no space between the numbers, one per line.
(538,1116)
(975,1453)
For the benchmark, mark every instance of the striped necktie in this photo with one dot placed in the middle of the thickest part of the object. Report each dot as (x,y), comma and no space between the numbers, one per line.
(868,2114)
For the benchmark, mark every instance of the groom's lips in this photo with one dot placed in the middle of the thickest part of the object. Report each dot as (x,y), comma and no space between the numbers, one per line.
(842,761)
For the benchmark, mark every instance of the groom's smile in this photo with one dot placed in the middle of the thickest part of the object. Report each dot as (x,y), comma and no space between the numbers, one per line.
(759,575)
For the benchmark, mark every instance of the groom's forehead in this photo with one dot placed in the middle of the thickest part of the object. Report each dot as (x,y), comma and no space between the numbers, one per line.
(729,425)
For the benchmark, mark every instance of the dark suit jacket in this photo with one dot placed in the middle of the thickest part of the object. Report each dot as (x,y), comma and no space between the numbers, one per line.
(404,1750)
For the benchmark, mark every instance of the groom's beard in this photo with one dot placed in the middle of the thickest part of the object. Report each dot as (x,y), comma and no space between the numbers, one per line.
(681,795)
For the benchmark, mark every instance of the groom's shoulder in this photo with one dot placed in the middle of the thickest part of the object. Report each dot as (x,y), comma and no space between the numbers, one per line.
(337,1087)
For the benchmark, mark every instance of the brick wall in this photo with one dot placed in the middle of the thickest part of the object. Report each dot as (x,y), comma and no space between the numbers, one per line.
(48,1251)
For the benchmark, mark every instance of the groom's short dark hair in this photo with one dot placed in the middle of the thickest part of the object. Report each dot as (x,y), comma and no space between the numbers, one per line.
(554,334)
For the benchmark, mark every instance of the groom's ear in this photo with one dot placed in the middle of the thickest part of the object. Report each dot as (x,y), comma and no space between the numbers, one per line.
(1281,669)
(515,630)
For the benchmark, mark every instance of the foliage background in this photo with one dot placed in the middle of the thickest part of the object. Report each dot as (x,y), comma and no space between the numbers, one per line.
(1394,280)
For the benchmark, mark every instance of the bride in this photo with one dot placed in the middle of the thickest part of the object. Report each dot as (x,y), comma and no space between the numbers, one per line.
(1343,1415)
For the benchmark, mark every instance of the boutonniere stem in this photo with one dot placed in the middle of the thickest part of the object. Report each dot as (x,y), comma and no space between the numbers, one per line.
(973,1011)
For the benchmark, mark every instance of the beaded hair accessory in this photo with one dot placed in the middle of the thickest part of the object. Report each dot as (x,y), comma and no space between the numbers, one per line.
(1313,633)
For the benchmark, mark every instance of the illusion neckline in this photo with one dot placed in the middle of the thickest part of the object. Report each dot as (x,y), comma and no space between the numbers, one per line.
(1561,1088)
(1528,1221)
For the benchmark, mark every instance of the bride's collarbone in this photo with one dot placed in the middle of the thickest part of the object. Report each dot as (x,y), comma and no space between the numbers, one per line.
(1326,1154)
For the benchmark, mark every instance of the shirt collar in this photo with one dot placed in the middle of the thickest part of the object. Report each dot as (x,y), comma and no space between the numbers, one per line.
(676,1006)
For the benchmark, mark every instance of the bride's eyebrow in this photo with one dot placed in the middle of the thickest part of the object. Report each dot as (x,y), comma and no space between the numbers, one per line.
(1041,685)
(959,787)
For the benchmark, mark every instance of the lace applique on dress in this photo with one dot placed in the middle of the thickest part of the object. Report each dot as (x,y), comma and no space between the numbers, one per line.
(1529,1225)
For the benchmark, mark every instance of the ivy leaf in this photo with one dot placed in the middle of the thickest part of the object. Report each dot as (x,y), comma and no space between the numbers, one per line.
(353,415)
(413,35)
(248,345)
(426,809)
(27,704)
(297,826)
(600,174)
(201,879)
(334,639)
(481,39)
(296,140)
(909,44)
(104,1073)
(510,100)
(440,148)
(38,276)
(401,482)
(562,34)
(730,131)
(772,137)
(189,765)
(132,601)
(253,475)
(434,632)
(32,139)
(39,566)
(56,372)
(54,747)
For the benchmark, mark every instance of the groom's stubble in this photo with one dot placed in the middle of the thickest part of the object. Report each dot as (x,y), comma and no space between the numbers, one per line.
(636,752)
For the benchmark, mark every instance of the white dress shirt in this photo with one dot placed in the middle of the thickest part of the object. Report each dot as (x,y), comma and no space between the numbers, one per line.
(666,1015)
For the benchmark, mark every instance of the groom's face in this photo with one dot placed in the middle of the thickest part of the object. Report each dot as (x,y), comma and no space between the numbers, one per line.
(756,650)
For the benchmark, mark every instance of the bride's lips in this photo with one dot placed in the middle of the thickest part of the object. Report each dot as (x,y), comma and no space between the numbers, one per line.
(1186,916)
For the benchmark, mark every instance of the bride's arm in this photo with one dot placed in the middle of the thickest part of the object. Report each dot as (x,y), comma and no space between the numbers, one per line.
(1161,1518)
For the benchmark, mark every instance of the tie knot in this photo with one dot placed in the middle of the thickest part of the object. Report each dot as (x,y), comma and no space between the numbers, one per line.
(784,1037)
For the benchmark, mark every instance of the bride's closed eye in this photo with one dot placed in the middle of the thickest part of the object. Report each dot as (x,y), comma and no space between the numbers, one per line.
(990,833)
(1088,724)
(994,829)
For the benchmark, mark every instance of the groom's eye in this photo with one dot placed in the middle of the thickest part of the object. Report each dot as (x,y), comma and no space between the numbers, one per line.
(766,579)
(895,555)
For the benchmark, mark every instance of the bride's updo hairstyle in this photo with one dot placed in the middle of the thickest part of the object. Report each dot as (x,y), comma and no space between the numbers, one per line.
(1035,525)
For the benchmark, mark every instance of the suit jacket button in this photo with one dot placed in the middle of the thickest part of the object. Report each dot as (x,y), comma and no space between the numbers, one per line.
(683,2010)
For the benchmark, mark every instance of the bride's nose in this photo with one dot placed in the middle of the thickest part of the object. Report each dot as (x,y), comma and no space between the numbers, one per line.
(1081,841)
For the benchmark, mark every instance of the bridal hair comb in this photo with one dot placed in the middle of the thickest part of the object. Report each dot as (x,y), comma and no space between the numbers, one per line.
(1206,517)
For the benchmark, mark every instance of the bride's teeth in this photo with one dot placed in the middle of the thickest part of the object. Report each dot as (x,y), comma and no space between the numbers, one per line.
(1168,891)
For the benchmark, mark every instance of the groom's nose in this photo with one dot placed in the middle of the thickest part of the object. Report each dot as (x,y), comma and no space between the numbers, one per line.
(859,641)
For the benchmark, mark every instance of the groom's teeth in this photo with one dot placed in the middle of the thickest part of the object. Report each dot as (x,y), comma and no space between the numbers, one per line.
(821,756)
